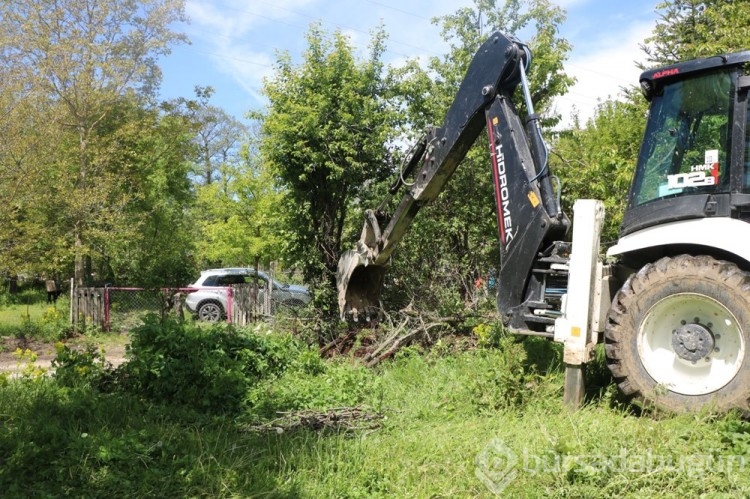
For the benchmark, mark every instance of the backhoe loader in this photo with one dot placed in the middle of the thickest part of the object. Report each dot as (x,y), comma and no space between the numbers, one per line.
(671,299)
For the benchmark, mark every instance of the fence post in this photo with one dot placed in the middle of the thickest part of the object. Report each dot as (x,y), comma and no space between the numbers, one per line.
(230,298)
(269,289)
(73,305)
(106,308)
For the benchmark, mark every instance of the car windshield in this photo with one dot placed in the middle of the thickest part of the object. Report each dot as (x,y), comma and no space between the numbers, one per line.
(240,278)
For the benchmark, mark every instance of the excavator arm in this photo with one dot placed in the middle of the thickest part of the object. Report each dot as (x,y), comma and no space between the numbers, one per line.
(528,210)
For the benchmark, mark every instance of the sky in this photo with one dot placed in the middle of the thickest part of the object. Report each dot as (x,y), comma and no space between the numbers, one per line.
(234,43)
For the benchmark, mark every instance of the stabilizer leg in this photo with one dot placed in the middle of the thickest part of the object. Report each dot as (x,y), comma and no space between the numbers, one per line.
(575,328)
(575,385)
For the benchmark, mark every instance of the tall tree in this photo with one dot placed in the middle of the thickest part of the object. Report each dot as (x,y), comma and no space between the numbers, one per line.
(239,217)
(151,241)
(325,135)
(218,139)
(26,134)
(86,55)
(235,217)
(688,29)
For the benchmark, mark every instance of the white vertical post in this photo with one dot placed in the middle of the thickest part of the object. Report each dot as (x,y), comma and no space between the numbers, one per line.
(574,328)
(269,289)
(73,294)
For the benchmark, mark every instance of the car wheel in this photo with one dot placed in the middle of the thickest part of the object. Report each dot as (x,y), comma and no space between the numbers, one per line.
(294,303)
(290,307)
(210,311)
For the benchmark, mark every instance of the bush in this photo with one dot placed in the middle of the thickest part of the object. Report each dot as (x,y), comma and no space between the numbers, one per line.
(515,375)
(26,296)
(80,368)
(208,368)
(489,335)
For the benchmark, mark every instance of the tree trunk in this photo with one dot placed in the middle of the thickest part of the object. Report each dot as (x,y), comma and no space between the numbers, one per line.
(80,267)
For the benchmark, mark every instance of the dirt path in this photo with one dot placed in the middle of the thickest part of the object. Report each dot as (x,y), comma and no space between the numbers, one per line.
(11,361)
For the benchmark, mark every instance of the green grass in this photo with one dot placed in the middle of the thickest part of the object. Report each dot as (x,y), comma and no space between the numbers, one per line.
(38,321)
(14,315)
(438,433)
(449,420)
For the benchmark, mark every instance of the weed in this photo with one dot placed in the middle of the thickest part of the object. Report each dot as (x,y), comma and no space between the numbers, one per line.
(510,378)
(488,335)
(327,384)
(735,434)
(27,364)
(35,322)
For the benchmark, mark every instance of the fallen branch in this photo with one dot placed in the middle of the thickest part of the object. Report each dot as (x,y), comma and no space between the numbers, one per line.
(414,324)
(340,340)
(387,341)
(343,418)
(393,349)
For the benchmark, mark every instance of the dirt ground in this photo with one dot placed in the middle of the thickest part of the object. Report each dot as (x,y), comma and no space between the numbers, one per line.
(114,352)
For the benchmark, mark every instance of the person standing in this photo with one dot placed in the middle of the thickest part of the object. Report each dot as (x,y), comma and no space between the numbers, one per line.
(51,291)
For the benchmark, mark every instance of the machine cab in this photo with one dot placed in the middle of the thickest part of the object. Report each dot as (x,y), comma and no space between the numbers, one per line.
(693,162)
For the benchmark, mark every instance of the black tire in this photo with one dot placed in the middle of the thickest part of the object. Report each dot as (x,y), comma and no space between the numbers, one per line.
(678,335)
(289,307)
(210,311)
(294,303)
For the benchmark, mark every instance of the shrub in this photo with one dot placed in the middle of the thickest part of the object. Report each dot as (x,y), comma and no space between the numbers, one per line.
(25,296)
(208,368)
(514,375)
(489,335)
(79,368)
(54,325)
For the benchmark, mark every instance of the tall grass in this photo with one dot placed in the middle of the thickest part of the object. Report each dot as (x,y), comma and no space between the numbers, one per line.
(464,424)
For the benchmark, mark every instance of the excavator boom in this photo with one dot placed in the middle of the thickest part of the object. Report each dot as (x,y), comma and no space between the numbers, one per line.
(528,210)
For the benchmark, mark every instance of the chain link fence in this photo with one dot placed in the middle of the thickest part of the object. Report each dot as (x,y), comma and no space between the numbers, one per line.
(125,308)
(116,309)
(119,309)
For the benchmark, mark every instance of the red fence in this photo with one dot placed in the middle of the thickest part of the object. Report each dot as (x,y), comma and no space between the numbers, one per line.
(118,309)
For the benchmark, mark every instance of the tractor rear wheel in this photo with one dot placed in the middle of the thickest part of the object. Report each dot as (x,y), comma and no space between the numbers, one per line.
(678,335)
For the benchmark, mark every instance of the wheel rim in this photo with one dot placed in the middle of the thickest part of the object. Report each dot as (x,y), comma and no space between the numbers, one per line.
(691,344)
(210,312)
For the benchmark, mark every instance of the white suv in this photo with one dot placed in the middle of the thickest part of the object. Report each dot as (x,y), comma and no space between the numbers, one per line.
(209,300)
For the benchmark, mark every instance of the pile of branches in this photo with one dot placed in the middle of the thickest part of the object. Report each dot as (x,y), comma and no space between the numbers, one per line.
(408,328)
(339,419)
(393,332)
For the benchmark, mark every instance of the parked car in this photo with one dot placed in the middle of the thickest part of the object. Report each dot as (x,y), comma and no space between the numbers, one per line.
(209,300)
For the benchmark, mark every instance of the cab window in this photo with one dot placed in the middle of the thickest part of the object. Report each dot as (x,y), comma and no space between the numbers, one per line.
(687,139)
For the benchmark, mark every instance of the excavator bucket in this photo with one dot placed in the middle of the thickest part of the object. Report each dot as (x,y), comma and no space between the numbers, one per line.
(359,282)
